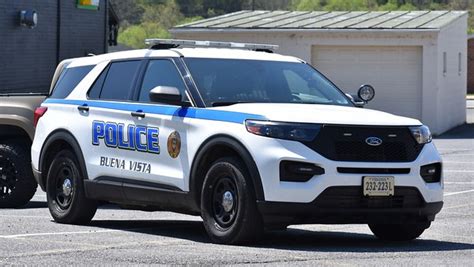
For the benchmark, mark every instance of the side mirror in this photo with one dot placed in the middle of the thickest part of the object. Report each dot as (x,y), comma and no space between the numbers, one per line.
(356,100)
(366,93)
(166,95)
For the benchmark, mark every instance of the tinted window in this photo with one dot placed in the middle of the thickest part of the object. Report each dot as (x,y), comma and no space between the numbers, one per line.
(228,81)
(120,79)
(96,88)
(161,73)
(68,80)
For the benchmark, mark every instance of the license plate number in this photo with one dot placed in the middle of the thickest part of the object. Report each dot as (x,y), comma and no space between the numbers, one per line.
(379,185)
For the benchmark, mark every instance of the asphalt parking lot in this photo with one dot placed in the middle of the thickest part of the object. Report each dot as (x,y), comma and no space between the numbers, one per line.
(29,236)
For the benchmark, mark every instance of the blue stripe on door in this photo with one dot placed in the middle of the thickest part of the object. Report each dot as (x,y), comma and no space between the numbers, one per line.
(184,112)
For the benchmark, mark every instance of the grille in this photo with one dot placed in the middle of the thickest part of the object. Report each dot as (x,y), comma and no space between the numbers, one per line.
(351,197)
(347,143)
(374,170)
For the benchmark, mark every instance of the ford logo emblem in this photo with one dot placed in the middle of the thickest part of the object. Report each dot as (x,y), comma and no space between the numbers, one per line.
(373,141)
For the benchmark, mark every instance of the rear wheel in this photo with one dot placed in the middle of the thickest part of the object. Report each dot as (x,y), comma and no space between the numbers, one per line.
(398,232)
(17,184)
(65,191)
(228,204)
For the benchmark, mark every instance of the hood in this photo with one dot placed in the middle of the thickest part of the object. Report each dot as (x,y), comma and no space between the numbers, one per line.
(324,114)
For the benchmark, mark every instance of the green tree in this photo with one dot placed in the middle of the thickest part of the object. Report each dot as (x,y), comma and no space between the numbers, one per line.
(129,11)
(341,5)
(191,7)
(265,4)
(135,35)
(166,15)
(390,5)
(307,5)
(157,18)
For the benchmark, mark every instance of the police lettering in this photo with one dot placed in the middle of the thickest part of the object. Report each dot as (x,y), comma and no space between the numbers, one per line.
(130,137)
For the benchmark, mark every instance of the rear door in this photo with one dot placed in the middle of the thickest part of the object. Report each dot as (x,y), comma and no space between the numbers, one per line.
(132,141)
(110,146)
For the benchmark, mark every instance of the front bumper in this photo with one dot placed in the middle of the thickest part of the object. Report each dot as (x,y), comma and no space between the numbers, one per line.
(268,162)
(284,213)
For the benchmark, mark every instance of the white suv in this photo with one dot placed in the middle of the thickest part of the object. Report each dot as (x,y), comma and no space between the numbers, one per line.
(244,137)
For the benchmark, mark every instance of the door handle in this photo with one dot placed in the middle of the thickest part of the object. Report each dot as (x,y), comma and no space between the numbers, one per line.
(84,108)
(138,114)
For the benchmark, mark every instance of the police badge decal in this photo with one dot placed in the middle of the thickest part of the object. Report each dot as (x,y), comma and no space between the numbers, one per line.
(174,144)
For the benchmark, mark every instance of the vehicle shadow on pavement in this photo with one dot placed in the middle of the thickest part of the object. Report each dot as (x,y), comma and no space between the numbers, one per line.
(291,239)
(304,240)
(189,230)
(465,131)
(34,205)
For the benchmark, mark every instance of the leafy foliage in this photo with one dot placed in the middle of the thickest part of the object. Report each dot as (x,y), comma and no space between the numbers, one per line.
(135,35)
(144,19)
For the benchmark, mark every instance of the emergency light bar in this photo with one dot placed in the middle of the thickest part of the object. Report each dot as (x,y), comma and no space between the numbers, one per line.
(173,43)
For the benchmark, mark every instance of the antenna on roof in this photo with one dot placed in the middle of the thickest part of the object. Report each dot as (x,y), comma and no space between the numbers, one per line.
(173,43)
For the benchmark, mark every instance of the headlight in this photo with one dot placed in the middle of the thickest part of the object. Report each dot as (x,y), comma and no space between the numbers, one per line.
(291,131)
(421,134)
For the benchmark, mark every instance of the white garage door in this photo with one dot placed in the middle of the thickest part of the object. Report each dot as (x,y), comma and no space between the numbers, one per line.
(395,73)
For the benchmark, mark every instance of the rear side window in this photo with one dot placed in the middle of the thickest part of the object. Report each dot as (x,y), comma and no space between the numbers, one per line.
(69,79)
(120,79)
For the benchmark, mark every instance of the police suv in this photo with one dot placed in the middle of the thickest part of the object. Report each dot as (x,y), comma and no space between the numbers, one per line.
(245,138)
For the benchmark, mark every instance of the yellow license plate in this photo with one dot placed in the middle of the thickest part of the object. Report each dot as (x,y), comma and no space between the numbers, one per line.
(378,185)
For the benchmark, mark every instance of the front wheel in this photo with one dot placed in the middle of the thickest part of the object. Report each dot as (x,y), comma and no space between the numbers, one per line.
(228,204)
(65,191)
(398,232)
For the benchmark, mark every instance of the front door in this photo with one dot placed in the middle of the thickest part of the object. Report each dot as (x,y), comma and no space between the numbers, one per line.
(165,162)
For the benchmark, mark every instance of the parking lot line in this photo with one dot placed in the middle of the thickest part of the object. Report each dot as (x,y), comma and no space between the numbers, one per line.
(457,193)
(64,233)
(466,171)
(457,206)
(25,216)
(458,182)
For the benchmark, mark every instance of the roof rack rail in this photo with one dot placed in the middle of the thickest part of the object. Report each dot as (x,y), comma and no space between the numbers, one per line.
(173,43)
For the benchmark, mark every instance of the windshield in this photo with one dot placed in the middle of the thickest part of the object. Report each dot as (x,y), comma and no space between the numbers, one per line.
(230,81)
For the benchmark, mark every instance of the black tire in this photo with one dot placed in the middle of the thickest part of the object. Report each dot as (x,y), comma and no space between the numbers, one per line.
(230,224)
(65,191)
(17,184)
(398,232)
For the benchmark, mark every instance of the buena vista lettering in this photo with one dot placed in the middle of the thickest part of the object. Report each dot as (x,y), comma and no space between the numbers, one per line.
(125,164)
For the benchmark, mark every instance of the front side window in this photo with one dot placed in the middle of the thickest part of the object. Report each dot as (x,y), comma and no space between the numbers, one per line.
(118,83)
(161,73)
(69,79)
(229,81)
